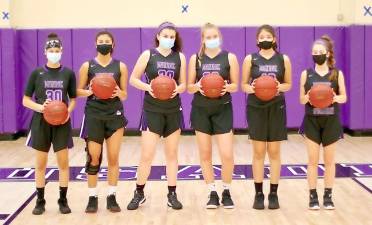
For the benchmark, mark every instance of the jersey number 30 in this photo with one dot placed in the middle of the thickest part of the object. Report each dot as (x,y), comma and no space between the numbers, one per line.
(54,94)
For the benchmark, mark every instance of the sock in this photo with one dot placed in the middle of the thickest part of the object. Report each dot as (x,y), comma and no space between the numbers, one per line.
(111,190)
(212,187)
(313,193)
(328,192)
(62,192)
(172,189)
(226,186)
(139,188)
(273,188)
(40,192)
(258,187)
(92,192)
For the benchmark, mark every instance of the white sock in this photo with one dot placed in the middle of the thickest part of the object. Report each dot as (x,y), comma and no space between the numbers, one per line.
(225,186)
(92,192)
(111,190)
(212,187)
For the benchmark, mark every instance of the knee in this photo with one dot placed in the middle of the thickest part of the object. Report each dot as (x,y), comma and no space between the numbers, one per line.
(113,162)
(259,155)
(205,156)
(274,155)
(227,157)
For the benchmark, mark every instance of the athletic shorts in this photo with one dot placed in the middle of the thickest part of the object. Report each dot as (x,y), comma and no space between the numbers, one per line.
(42,135)
(213,119)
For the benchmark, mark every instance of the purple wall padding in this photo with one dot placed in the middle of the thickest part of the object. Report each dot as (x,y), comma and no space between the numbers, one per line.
(1,85)
(8,42)
(26,62)
(299,52)
(354,68)
(368,78)
(338,36)
(234,41)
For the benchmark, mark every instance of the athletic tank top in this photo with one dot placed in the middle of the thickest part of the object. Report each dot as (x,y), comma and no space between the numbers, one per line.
(206,65)
(104,108)
(261,66)
(170,66)
(312,77)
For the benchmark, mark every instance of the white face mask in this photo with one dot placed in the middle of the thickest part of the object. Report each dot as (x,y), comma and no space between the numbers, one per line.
(54,57)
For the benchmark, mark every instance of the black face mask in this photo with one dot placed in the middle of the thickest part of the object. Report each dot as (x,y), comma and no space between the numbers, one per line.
(320,59)
(265,44)
(104,49)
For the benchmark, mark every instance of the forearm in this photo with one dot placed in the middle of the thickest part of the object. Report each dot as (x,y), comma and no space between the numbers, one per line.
(29,103)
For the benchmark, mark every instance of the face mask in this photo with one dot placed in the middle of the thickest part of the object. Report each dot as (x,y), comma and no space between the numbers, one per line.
(212,43)
(104,49)
(166,43)
(54,57)
(265,44)
(320,59)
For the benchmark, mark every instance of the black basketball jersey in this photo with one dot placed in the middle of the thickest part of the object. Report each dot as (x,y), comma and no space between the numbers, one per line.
(170,66)
(261,66)
(104,108)
(312,77)
(218,65)
(51,83)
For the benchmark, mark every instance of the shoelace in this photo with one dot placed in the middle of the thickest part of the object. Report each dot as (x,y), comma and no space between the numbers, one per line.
(136,198)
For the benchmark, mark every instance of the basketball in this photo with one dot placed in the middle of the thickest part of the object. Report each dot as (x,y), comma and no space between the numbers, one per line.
(212,85)
(103,86)
(265,88)
(321,95)
(55,113)
(163,87)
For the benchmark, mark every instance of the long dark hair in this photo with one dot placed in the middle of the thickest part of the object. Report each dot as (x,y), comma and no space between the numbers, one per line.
(269,29)
(177,42)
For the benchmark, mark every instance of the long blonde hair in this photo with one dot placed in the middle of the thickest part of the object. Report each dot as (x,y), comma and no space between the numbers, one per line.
(202,31)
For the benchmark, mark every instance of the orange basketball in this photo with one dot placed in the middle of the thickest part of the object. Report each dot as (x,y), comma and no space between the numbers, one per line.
(163,87)
(265,88)
(321,95)
(55,113)
(212,85)
(103,86)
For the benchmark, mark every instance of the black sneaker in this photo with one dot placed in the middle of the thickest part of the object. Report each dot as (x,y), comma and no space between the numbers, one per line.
(40,207)
(173,201)
(259,201)
(226,201)
(137,200)
(214,200)
(327,201)
(92,206)
(112,205)
(63,206)
(314,202)
(273,201)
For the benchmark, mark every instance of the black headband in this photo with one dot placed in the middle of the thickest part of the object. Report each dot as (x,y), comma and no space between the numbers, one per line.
(54,43)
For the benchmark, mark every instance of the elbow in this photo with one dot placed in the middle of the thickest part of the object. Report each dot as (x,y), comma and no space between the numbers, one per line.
(131,81)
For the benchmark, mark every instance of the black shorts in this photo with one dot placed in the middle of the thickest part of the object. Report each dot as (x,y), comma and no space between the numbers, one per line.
(213,119)
(323,130)
(160,123)
(98,129)
(42,135)
(267,123)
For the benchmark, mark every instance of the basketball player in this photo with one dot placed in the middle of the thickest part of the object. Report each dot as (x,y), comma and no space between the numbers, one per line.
(266,119)
(160,118)
(322,126)
(51,82)
(103,120)
(214,117)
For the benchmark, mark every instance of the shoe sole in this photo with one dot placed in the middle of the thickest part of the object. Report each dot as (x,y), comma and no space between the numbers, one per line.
(314,208)
(113,211)
(228,206)
(140,203)
(212,206)
(91,212)
(329,207)
(38,214)
(170,206)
